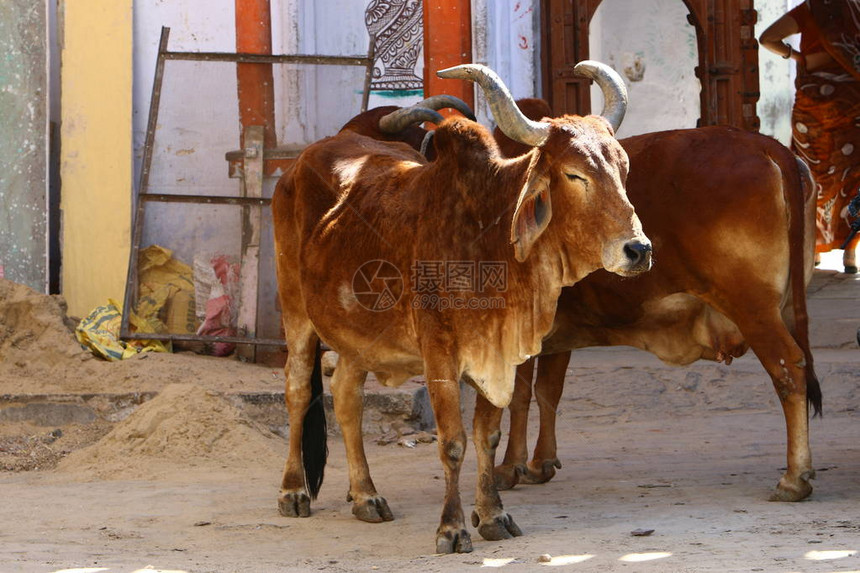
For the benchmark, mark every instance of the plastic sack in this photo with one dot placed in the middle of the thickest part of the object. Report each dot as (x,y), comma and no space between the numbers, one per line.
(216,290)
(99,332)
(166,291)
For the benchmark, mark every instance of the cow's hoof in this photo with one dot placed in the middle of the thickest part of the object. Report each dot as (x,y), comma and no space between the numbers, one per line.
(453,540)
(294,504)
(540,471)
(372,510)
(500,527)
(508,475)
(793,490)
(850,270)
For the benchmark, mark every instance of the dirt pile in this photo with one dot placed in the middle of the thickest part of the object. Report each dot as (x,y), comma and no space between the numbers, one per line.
(184,426)
(40,355)
(34,328)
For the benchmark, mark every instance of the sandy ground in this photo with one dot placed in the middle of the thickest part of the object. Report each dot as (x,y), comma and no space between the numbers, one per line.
(186,483)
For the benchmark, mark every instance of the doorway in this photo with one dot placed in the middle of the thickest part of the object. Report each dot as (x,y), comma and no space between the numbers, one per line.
(726,57)
(653,46)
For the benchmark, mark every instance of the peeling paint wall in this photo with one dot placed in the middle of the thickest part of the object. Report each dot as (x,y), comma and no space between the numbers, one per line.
(190,90)
(23,143)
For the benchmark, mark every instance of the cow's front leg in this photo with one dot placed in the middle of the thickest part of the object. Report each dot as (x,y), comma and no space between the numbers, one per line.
(489,515)
(347,389)
(444,389)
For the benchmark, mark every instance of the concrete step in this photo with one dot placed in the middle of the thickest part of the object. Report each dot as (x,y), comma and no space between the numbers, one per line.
(385,408)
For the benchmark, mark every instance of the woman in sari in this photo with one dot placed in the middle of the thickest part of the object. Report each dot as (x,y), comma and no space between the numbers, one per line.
(826,113)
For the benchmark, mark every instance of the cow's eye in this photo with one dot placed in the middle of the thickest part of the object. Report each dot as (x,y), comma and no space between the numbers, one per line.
(575,177)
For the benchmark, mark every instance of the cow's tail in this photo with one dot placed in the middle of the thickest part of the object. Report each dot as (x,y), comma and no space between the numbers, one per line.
(797,189)
(314,431)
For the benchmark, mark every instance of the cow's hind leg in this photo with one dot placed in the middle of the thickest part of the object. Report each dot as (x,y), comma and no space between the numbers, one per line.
(507,474)
(489,515)
(347,389)
(548,387)
(303,471)
(784,361)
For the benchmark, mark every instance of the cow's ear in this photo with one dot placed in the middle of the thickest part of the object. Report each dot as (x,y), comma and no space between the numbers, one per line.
(533,212)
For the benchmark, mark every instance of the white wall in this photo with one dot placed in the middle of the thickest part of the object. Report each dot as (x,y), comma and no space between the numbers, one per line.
(653,46)
(505,37)
(776,75)
(654,33)
(198,123)
(667,97)
(198,118)
(319,100)
(314,102)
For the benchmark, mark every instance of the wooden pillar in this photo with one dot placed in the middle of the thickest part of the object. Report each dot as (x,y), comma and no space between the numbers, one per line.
(257,117)
(256,83)
(447,42)
(749,90)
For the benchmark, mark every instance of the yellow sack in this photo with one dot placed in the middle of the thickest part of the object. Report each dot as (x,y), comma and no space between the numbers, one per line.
(100,333)
(166,291)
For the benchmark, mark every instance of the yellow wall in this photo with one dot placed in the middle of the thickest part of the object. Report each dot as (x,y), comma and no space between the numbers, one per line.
(96,167)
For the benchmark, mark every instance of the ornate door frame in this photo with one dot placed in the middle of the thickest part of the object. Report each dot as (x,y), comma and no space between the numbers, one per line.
(728,58)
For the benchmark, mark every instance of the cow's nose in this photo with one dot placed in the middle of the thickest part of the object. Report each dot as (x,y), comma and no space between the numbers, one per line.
(639,255)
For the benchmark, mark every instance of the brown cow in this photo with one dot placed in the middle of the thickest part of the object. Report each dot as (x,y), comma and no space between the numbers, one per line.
(392,123)
(731,217)
(353,214)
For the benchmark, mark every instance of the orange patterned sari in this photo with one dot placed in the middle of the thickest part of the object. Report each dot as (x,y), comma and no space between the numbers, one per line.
(826,114)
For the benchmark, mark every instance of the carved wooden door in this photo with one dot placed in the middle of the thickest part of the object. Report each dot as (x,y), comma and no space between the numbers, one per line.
(728,58)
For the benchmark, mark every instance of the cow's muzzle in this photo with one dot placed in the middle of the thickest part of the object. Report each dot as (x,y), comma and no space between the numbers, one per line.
(638,255)
(629,257)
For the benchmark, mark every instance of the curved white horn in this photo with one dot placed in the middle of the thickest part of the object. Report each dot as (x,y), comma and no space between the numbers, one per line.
(505,111)
(614,90)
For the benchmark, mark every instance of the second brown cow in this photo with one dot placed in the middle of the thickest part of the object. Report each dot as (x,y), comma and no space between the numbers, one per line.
(731,217)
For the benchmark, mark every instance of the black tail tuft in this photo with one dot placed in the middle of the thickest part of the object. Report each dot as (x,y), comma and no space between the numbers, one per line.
(813,394)
(314,432)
